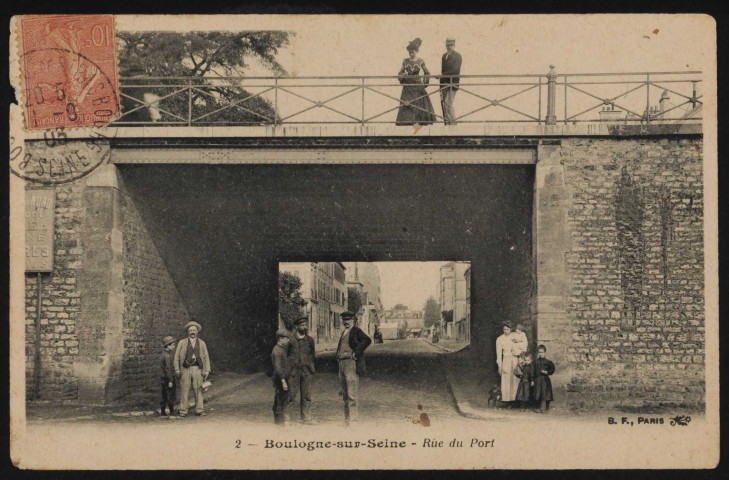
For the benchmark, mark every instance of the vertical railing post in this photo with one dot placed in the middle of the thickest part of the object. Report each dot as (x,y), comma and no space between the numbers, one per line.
(275,101)
(565,99)
(539,103)
(551,118)
(189,102)
(363,100)
(647,99)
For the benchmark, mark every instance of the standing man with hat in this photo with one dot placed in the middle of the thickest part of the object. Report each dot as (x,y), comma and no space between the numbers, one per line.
(301,357)
(350,355)
(192,365)
(450,65)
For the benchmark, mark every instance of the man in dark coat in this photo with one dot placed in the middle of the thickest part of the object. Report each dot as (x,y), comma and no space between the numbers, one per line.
(281,373)
(351,358)
(450,65)
(301,357)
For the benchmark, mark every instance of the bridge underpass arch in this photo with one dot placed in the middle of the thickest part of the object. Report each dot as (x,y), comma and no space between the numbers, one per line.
(222,229)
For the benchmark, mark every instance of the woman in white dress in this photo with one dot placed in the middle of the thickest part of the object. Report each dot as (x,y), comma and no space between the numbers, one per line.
(507,362)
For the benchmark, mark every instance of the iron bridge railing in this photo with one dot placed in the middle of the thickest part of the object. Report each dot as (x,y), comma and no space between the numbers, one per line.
(552,98)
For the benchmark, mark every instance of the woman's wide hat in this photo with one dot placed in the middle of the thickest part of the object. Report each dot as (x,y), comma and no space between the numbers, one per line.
(167,340)
(414,45)
(193,323)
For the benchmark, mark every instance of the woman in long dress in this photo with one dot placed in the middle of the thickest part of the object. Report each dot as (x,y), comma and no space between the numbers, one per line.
(507,362)
(415,105)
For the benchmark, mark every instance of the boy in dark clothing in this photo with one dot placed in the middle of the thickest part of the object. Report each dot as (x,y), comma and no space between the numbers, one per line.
(543,368)
(281,372)
(168,377)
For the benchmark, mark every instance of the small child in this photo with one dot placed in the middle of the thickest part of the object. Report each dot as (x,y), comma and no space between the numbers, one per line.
(168,379)
(543,368)
(525,371)
(281,372)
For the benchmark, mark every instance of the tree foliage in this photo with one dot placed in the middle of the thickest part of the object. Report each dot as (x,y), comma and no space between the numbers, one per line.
(354,299)
(447,316)
(205,56)
(290,301)
(432,312)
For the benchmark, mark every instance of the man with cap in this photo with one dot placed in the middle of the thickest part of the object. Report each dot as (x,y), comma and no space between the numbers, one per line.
(350,355)
(168,378)
(192,366)
(301,357)
(450,65)
(281,374)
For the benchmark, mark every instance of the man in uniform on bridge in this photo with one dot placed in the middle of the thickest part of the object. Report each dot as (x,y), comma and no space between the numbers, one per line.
(192,365)
(350,355)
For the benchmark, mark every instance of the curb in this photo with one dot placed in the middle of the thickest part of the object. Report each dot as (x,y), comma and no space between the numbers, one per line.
(464,408)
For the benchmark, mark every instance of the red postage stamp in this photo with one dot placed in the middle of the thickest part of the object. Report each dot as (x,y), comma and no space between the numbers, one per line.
(69,71)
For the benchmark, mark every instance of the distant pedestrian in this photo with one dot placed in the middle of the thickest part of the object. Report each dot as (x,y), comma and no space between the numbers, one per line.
(168,378)
(436,335)
(192,367)
(543,368)
(377,335)
(302,370)
(281,373)
(450,69)
(351,358)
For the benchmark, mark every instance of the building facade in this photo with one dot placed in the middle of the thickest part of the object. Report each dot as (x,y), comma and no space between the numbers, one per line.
(324,289)
(406,318)
(365,278)
(452,297)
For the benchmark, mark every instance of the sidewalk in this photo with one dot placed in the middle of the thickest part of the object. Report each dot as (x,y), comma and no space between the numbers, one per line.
(448,345)
(142,404)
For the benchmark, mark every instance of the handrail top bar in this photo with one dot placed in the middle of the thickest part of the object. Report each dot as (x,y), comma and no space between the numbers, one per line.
(351,77)
(689,72)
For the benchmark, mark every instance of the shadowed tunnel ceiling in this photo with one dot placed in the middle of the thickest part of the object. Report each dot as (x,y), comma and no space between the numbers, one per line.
(222,230)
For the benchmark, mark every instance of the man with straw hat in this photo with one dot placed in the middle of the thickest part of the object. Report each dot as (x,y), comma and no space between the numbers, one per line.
(192,366)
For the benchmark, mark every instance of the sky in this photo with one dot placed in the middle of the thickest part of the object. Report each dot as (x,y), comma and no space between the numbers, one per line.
(508,44)
(409,283)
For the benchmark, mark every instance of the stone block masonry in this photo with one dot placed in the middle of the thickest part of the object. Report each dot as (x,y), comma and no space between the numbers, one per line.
(60,303)
(635,304)
(107,303)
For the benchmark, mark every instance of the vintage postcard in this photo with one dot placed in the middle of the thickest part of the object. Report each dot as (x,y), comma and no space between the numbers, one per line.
(363,242)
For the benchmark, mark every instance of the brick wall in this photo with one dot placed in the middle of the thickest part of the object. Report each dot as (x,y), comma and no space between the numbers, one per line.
(636,268)
(60,302)
(152,306)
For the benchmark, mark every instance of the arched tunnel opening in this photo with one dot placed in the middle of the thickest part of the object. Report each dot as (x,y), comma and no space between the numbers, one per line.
(222,231)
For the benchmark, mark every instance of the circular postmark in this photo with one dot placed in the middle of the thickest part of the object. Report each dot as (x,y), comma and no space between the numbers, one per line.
(66,89)
(56,159)
(63,89)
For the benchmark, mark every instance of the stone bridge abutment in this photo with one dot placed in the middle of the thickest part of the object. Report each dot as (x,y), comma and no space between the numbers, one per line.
(592,239)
